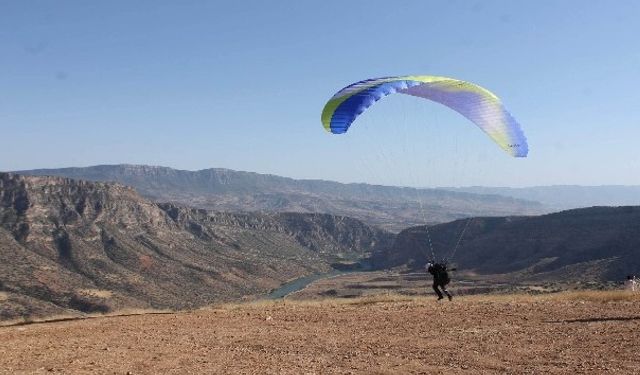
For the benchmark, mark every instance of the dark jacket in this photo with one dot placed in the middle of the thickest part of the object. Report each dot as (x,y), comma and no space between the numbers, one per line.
(439,272)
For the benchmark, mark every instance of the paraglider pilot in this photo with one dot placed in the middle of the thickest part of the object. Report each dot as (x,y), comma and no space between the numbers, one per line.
(440,278)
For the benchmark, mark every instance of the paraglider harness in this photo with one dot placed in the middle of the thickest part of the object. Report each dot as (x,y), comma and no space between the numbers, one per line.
(439,272)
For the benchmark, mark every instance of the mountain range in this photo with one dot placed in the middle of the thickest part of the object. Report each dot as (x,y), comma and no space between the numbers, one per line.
(391,208)
(72,245)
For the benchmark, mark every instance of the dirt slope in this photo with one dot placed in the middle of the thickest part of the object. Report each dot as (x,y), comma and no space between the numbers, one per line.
(467,336)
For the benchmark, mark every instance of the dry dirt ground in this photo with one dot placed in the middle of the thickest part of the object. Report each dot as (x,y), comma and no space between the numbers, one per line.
(587,333)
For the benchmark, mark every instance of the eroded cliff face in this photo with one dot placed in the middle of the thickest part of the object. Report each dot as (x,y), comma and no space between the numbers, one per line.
(42,210)
(332,236)
(84,246)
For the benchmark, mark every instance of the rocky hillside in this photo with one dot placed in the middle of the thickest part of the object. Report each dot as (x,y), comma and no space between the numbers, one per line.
(598,243)
(392,208)
(68,245)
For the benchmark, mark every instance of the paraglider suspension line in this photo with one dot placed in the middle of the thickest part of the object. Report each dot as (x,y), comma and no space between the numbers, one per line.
(453,252)
(433,254)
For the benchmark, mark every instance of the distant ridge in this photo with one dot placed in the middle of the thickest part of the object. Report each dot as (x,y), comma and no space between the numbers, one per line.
(559,197)
(392,208)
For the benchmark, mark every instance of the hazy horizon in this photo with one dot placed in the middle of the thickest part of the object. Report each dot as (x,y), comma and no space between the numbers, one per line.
(328,180)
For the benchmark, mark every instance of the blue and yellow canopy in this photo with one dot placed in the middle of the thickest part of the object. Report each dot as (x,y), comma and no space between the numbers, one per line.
(477,104)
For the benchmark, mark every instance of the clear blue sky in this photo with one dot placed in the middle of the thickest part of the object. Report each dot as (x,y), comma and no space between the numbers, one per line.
(240,84)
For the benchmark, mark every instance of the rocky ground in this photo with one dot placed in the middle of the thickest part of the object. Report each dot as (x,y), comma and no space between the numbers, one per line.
(587,332)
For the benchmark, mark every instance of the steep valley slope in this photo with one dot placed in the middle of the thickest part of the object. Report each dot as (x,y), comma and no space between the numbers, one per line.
(597,243)
(76,246)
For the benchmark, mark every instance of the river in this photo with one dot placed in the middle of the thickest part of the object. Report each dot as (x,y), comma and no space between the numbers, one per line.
(301,283)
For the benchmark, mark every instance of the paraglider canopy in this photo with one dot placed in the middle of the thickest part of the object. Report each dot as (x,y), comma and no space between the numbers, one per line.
(475,103)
